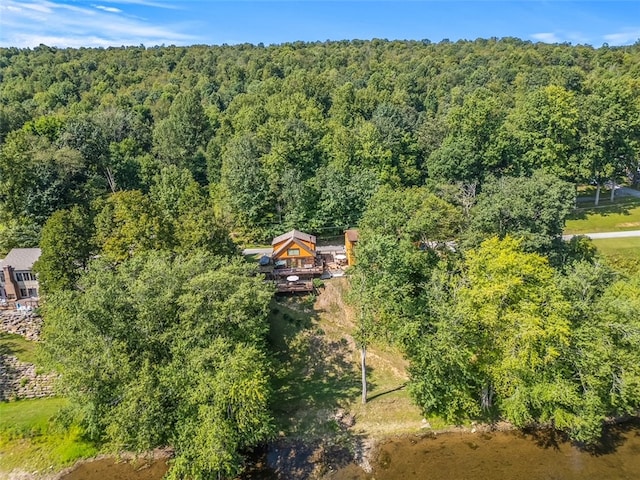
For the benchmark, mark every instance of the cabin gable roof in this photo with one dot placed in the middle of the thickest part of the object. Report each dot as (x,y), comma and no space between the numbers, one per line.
(285,246)
(294,234)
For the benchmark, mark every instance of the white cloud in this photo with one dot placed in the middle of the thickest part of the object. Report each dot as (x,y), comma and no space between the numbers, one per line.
(52,40)
(108,9)
(42,7)
(61,24)
(146,3)
(623,38)
(546,37)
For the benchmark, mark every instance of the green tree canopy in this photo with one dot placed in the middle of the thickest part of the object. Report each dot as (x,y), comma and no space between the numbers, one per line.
(166,352)
(128,224)
(66,249)
(534,208)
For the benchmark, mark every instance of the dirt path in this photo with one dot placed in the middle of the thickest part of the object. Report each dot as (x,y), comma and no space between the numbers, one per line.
(389,409)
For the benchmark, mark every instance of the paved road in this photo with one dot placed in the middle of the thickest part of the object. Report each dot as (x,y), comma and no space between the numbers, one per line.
(257,251)
(340,248)
(627,192)
(267,251)
(595,236)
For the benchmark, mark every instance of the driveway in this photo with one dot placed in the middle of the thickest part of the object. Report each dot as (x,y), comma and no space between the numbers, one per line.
(595,236)
(627,192)
(319,249)
(257,251)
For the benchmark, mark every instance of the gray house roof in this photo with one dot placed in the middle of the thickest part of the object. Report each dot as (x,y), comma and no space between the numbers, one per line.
(21,258)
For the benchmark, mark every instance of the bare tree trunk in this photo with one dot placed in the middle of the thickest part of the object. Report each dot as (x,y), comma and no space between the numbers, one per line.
(111,180)
(467,196)
(486,400)
(598,194)
(363,363)
(613,189)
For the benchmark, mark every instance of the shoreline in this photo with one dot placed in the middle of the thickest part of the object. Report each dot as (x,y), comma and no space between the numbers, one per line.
(298,458)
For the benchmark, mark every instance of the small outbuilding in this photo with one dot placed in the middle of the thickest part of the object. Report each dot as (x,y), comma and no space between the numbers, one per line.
(350,241)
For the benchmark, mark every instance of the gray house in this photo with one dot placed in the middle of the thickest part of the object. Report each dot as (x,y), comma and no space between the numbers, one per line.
(17,280)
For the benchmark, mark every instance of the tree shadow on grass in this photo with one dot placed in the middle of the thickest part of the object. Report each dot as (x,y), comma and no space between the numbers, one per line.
(399,387)
(314,376)
(11,344)
(621,206)
(314,373)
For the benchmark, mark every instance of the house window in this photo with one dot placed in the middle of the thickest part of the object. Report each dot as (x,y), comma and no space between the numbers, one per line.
(2,277)
(33,292)
(23,292)
(293,252)
(25,276)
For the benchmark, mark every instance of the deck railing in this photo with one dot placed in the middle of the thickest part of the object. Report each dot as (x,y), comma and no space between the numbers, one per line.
(294,287)
(285,272)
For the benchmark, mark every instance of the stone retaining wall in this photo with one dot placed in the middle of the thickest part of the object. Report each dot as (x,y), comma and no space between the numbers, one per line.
(27,324)
(20,380)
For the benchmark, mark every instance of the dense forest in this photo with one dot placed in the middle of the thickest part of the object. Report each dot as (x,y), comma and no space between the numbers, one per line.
(301,135)
(139,170)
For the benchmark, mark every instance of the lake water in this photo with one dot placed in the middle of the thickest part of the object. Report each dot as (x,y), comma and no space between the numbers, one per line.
(460,456)
(503,456)
(108,469)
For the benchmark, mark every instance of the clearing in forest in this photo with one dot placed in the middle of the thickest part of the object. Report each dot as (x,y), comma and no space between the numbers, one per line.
(318,384)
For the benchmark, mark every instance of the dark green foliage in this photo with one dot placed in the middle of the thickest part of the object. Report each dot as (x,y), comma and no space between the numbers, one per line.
(533,208)
(301,135)
(21,234)
(66,248)
(166,352)
(129,224)
(173,147)
(179,137)
(500,333)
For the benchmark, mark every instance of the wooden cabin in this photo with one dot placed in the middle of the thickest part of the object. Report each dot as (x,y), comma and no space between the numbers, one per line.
(350,241)
(294,262)
(294,249)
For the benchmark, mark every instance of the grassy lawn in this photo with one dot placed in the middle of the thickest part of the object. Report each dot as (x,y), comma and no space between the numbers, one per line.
(320,371)
(30,441)
(28,417)
(624,214)
(29,438)
(18,346)
(623,253)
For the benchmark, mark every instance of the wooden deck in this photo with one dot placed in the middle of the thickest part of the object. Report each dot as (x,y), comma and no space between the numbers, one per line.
(292,287)
(285,272)
(26,304)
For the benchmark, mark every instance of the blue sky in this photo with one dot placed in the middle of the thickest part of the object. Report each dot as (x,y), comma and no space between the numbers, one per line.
(103,23)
